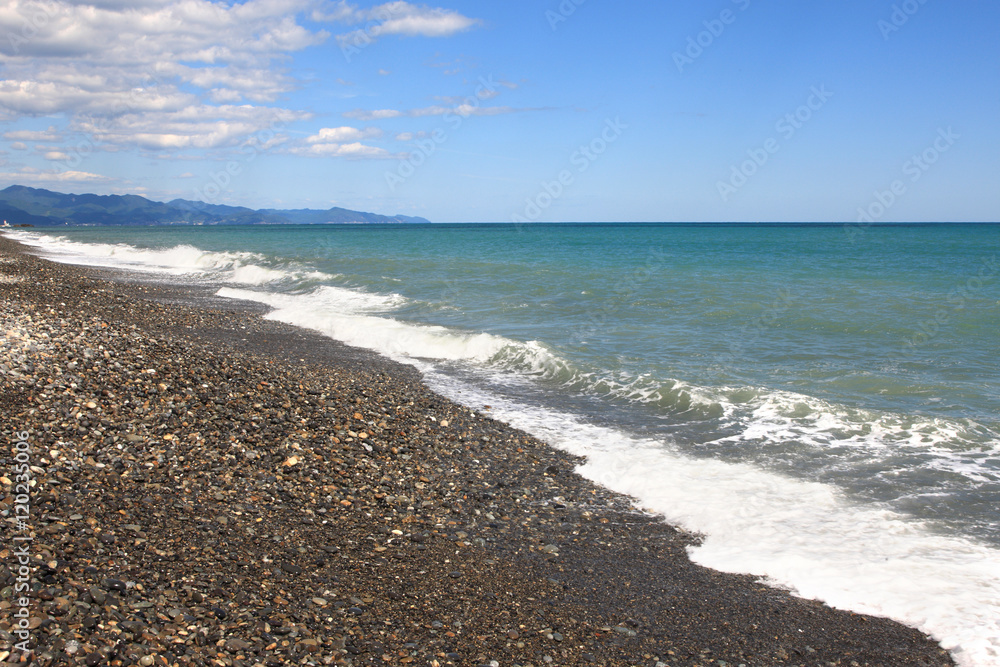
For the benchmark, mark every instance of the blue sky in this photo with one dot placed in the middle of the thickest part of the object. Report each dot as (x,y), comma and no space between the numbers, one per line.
(559,110)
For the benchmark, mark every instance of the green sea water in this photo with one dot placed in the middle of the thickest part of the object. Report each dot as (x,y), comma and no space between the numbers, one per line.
(751,342)
(861,362)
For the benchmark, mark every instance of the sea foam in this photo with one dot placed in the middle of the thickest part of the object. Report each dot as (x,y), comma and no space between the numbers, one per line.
(802,535)
(187,261)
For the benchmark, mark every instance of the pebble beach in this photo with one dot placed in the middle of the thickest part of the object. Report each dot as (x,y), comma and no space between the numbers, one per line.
(209,487)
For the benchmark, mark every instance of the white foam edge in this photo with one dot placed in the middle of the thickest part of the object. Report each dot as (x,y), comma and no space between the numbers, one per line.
(177,260)
(346,315)
(805,537)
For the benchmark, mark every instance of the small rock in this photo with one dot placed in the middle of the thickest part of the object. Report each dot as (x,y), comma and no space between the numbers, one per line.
(310,645)
(114,585)
(236,645)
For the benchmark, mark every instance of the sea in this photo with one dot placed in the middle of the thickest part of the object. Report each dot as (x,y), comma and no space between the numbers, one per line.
(819,402)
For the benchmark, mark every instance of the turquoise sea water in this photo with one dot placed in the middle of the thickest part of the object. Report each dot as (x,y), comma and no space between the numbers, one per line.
(821,402)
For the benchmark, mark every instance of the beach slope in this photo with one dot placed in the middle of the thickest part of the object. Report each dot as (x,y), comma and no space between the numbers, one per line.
(214,488)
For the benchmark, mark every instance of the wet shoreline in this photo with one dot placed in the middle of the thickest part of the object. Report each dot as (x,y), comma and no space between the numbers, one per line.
(268,496)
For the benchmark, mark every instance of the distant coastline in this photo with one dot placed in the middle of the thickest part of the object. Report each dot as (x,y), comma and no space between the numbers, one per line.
(21,205)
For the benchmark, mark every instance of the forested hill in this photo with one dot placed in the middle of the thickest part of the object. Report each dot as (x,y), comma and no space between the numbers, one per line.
(21,205)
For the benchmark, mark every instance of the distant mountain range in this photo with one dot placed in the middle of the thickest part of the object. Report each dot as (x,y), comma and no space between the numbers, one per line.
(20,205)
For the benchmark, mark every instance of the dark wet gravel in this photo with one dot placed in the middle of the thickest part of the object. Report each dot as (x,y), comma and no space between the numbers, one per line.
(213,488)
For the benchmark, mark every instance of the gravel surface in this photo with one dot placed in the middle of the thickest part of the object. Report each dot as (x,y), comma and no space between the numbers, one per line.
(212,488)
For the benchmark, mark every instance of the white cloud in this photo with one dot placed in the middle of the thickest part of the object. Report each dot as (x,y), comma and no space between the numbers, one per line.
(396,18)
(132,71)
(410,136)
(378,114)
(224,96)
(341,12)
(181,76)
(342,142)
(257,84)
(196,126)
(123,4)
(34,176)
(407,19)
(204,31)
(464,110)
(355,150)
(343,134)
(48,97)
(51,134)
